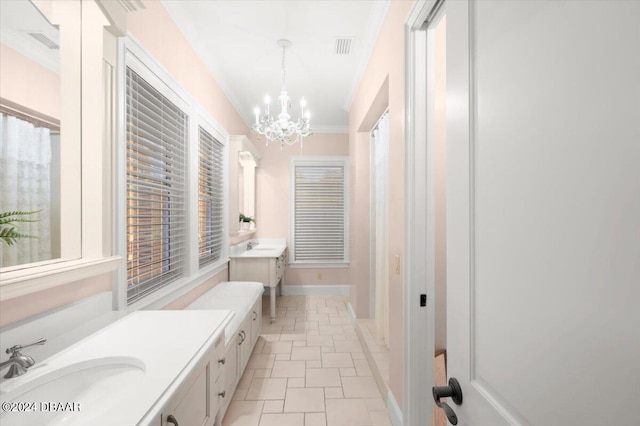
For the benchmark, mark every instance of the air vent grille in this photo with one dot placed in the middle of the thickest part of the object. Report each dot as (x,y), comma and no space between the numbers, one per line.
(343,45)
(45,40)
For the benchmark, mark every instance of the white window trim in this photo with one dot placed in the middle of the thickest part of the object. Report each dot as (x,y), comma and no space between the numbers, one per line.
(132,54)
(318,160)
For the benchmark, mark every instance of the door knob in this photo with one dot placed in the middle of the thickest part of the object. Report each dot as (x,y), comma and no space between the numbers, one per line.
(454,391)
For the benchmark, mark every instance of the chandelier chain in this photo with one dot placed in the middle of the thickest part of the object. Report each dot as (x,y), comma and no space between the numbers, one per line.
(284,70)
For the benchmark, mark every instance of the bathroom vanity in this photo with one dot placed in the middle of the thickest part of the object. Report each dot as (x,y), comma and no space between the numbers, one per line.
(264,262)
(148,368)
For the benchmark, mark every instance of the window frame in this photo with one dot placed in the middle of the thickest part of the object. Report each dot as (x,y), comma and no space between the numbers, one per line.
(133,55)
(159,177)
(318,161)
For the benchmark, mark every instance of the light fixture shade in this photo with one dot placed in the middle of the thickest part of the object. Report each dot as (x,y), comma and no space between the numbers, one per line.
(282,129)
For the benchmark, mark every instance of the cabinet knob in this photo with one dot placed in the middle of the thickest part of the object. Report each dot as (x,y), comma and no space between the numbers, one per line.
(172,420)
(222,394)
(243,336)
(222,361)
(255,315)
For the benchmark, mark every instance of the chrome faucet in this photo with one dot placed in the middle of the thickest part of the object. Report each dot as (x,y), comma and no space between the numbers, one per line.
(19,363)
(251,244)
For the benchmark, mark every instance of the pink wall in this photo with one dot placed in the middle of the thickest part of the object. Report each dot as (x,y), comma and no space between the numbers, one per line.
(155,30)
(272,199)
(386,64)
(28,84)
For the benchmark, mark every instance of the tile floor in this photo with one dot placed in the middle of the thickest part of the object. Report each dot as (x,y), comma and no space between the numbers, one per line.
(307,369)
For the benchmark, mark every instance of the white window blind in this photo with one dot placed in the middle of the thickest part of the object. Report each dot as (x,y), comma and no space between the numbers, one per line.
(210,198)
(156,159)
(319,211)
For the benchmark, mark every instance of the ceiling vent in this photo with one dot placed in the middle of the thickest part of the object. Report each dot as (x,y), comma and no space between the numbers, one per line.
(45,40)
(343,45)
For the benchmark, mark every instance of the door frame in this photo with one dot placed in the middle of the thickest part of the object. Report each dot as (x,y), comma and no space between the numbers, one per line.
(419,322)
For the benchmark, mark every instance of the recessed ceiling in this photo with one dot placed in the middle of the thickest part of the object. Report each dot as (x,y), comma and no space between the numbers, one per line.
(237,42)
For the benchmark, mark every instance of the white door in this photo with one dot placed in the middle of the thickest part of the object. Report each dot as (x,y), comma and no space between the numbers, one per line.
(543,298)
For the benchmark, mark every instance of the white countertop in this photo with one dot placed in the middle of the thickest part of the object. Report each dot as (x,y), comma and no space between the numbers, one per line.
(169,344)
(265,248)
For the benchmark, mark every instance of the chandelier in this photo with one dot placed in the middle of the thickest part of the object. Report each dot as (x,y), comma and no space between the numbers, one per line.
(282,129)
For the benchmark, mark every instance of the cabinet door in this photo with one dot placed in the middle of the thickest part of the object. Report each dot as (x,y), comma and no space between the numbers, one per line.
(245,341)
(256,321)
(256,269)
(193,403)
(230,374)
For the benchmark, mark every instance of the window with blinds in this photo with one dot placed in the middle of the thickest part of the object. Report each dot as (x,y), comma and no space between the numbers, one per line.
(319,211)
(157,134)
(210,198)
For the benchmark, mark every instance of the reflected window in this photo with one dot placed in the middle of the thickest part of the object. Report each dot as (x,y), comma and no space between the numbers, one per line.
(29,167)
(29,135)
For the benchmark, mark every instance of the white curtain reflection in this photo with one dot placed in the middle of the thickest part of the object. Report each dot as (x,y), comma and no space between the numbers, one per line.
(25,185)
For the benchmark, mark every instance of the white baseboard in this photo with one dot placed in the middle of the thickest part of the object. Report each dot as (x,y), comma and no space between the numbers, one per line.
(352,314)
(315,290)
(393,410)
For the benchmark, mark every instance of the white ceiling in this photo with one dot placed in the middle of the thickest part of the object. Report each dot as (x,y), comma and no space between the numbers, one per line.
(237,42)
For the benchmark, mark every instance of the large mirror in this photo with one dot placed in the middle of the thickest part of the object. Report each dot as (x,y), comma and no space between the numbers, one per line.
(247,189)
(30,134)
(243,161)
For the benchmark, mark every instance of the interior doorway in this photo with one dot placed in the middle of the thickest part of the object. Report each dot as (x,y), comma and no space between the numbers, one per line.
(426,206)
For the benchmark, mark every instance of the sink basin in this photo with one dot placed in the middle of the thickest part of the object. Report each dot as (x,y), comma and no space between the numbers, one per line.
(78,394)
(263,251)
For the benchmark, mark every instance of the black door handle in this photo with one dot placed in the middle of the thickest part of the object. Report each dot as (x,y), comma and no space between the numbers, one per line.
(454,391)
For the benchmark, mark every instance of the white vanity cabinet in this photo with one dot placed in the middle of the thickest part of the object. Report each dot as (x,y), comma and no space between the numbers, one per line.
(264,269)
(197,401)
(163,366)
